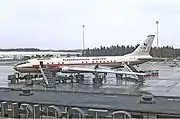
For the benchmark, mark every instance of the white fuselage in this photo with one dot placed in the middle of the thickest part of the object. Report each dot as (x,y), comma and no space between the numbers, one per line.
(110,61)
(140,55)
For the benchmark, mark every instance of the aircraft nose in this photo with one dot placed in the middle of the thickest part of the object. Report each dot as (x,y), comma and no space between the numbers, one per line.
(15,68)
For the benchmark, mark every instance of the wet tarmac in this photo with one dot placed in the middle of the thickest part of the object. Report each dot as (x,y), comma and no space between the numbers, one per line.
(167,84)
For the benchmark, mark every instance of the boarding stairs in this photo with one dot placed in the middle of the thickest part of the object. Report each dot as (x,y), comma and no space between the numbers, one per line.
(132,69)
(48,77)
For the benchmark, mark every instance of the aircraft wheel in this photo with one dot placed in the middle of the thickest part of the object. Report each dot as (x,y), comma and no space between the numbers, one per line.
(104,76)
(81,78)
(100,80)
(35,76)
(71,77)
(97,80)
(63,81)
(29,82)
(94,80)
(77,78)
(54,74)
(117,75)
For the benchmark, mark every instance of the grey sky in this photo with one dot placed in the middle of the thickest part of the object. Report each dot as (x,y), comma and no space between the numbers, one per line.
(56,24)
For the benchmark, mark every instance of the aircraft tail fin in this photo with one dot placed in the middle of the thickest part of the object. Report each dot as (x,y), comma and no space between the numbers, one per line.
(145,47)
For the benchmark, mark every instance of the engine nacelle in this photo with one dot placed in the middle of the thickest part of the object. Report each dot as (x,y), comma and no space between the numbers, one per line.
(64,69)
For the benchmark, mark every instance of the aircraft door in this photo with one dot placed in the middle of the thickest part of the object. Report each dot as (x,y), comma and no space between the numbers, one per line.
(41,63)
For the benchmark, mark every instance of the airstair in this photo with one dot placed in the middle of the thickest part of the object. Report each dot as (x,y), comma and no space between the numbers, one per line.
(132,69)
(48,77)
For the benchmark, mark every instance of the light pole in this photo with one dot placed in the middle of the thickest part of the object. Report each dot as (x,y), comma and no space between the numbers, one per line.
(157,23)
(83,40)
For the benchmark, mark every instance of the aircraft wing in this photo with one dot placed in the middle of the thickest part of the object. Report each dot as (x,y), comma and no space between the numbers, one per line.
(98,70)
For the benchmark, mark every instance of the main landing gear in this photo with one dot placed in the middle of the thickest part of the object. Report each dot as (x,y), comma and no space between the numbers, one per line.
(79,78)
(98,78)
(119,76)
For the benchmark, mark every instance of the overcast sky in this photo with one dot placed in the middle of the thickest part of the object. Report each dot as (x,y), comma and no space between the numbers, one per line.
(57,24)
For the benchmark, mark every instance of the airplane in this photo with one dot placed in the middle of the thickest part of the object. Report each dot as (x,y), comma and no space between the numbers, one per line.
(82,64)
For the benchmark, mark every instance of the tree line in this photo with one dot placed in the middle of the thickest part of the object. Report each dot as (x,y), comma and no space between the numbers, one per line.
(36,49)
(165,51)
(20,49)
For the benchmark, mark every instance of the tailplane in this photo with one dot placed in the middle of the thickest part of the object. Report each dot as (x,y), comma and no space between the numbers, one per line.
(145,47)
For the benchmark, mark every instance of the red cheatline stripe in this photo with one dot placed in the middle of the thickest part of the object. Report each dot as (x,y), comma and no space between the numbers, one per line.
(61,65)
